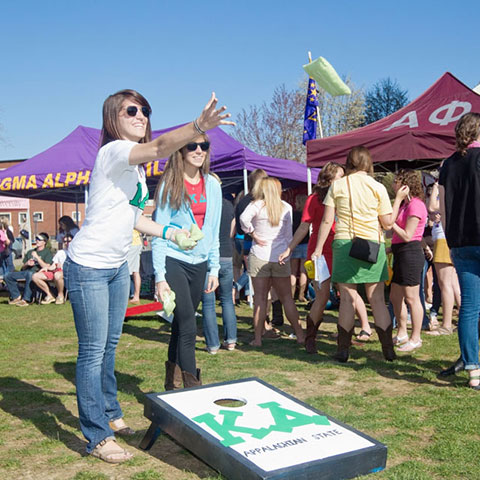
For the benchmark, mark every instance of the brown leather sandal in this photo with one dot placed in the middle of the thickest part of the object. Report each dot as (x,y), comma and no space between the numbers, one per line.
(108,453)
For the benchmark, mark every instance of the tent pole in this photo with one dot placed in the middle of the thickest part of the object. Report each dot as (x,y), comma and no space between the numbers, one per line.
(29,230)
(76,207)
(245,191)
(86,197)
(309,180)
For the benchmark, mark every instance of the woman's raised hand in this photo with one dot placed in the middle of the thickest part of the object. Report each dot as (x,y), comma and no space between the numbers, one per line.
(403,192)
(212,117)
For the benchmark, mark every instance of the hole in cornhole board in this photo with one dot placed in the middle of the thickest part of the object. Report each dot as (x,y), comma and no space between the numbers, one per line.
(230,402)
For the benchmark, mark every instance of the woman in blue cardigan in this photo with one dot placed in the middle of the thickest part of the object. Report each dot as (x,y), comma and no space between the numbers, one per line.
(187,193)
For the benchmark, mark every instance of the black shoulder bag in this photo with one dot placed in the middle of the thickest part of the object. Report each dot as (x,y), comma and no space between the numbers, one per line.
(362,249)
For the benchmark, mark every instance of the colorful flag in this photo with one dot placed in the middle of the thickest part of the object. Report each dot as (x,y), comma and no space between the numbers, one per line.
(310,118)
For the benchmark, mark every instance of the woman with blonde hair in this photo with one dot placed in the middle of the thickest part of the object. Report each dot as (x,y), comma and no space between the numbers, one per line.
(362,207)
(268,220)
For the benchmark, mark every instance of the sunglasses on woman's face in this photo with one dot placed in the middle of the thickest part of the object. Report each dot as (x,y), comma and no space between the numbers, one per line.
(192,146)
(132,111)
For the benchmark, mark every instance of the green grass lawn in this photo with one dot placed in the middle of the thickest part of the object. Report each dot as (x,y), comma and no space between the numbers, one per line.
(429,425)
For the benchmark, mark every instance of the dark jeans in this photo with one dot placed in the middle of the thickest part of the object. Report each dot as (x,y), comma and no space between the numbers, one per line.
(12,285)
(187,281)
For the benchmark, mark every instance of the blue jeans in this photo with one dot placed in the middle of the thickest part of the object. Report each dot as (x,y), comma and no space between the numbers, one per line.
(99,300)
(12,285)
(210,326)
(467,264)
(6,264)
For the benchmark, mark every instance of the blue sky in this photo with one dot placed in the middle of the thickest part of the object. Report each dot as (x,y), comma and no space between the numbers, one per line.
(61,59)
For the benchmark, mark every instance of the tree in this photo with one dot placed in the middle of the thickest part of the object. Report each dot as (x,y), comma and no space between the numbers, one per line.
(275,129)
(384,98)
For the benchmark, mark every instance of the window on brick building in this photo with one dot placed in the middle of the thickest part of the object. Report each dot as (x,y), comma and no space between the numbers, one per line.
(22,218)
(38,216)
(7,216)
(77,218)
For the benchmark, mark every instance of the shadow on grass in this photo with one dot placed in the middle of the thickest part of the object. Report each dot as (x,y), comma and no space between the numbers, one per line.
(126,383)
(153,332)
(42,408)
(169,451)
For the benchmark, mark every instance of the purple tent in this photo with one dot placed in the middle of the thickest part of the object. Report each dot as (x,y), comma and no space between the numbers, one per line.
(62,172)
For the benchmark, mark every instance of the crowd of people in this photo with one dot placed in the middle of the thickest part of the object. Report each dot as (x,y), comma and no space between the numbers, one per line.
(256,243)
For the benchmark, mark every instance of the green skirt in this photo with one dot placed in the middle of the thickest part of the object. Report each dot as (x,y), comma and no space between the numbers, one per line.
(347,269)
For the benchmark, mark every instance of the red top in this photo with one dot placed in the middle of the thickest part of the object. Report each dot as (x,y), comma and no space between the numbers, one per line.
(197,194)
(313,213)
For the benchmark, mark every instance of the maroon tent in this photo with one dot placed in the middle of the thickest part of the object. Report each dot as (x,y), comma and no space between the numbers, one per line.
(421,131)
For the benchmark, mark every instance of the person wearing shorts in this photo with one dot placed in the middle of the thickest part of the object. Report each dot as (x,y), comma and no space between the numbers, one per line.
(268,220)
(133,261)
(408,259)
(446,274)
(53,272)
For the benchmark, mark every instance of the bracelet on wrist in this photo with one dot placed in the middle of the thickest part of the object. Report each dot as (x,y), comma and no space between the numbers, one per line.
(197,127)
(165,230)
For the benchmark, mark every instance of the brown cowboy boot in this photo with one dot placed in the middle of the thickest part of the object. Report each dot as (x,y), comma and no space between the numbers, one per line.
(311,335)
(190,380)
(385,337)
(173,376)
(344,340)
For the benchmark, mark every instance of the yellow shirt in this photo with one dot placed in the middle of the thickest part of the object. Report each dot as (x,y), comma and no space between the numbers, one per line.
(369,200)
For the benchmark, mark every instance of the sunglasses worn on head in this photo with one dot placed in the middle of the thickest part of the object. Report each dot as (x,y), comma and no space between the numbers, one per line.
(192,146)
(39,239)
(132,111)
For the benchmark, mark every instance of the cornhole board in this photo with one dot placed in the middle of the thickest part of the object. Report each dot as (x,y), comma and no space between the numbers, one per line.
(248,430)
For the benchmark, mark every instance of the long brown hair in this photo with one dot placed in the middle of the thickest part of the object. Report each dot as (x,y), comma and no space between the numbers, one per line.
(174,192)
(111,109)
(467,130)
(269,190)
(413,180)
(325,179)
(358,160)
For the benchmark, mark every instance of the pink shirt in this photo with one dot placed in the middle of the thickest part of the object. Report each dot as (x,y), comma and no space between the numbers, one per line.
(255,218)
(414,208)
(3,240)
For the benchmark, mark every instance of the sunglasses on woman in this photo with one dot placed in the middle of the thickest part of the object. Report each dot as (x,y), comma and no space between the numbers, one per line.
(132,111)
(192,146)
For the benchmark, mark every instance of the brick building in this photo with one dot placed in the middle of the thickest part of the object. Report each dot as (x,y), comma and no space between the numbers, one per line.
(44,214)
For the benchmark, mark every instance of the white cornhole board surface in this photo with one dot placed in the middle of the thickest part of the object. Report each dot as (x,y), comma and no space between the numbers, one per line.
(271,435)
